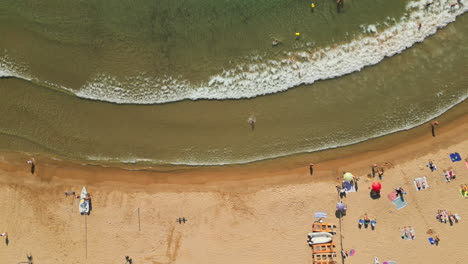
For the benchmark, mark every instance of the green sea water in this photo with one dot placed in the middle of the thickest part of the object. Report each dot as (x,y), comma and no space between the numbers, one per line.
(140,52)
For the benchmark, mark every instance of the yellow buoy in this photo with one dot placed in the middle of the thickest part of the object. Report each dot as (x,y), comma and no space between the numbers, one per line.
(298,34)
(312,5)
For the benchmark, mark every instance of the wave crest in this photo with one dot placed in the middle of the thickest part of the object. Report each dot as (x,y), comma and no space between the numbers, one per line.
(264,76)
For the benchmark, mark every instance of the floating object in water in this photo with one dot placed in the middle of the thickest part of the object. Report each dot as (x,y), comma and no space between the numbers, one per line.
(298,34)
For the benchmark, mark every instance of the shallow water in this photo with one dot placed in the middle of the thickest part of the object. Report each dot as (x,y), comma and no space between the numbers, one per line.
(398,93)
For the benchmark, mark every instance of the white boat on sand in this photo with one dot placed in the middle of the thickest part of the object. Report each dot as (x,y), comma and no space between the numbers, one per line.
(84,201)
(319,238)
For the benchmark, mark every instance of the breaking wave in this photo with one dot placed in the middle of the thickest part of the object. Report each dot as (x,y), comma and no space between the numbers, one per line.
(265,76)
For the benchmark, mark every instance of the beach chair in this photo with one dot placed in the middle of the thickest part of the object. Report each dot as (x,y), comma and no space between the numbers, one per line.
(324,248)
(323,227)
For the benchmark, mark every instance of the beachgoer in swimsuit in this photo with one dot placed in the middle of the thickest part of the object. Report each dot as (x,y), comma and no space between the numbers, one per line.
(431,165)
(418,185)
(32,162)
(381,172)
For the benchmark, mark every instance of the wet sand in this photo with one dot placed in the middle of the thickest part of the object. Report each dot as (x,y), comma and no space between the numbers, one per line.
(255,213)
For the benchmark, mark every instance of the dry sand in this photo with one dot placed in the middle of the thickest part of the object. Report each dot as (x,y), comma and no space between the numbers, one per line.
(240,214)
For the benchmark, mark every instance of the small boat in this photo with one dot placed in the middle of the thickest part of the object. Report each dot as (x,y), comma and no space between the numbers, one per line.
(84,201)
(319,238)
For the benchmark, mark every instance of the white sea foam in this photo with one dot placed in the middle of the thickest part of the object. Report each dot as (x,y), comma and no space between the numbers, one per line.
(266,76)
(270,76)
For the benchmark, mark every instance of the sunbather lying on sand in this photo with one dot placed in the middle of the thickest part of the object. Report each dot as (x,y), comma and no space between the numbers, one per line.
(407,232)
(431,165)
(464,188)
(418,185)
(449,175)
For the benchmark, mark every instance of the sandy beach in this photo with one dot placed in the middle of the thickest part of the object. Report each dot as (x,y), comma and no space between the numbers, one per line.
(237,214)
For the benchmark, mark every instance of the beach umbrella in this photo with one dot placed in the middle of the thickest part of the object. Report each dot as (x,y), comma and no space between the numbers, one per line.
(376,186)
(341,206)
(347,177)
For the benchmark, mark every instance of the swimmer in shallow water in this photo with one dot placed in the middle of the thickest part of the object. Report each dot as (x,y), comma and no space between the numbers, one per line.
(275,42)
(252,120)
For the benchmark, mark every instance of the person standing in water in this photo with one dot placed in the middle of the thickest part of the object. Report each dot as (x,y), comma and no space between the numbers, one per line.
(252,120)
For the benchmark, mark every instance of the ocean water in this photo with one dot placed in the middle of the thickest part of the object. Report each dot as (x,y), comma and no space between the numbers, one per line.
(175,82)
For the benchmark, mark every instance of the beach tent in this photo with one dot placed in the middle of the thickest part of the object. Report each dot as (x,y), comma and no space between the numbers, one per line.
(376,186)
(347,177)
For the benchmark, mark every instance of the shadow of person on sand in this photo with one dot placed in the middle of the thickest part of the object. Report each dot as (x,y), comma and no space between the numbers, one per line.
(90,206)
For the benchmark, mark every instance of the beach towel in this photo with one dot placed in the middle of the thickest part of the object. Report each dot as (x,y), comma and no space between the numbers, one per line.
(422,183)
(320,215)
(390,262)
(407,235)
(392,196)
(431,240)
(399,203)
(455,156)
(349,186)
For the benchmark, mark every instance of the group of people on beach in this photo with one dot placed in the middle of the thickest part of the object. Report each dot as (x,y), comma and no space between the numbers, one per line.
(377,170)
(420,185)
(366,221)
(444,216)
(449,175)
(407,232)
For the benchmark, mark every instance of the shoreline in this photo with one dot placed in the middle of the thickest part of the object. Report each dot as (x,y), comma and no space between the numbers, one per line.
(257,213)
(269,210)
(330,163)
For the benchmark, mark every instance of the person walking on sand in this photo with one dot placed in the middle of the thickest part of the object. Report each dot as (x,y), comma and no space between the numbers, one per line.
(399,192)
(381,172)
(373,170)
(433,125)
(32,162)
(311,168)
